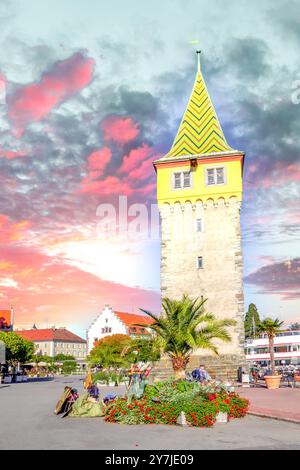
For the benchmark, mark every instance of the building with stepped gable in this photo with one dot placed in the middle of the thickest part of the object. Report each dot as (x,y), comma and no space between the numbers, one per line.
(112,322)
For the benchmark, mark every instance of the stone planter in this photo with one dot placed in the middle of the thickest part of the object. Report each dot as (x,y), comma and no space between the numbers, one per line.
(181,420)
(272,381)
(221,418)
(101,384)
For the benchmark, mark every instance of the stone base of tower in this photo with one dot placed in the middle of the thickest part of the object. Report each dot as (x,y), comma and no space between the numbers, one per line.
(224,367)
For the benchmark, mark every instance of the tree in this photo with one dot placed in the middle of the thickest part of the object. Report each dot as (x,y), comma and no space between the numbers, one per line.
(294,326)
(146,350)
(68,367)
(64,357)
(40,358)
(108,351)
(18,349)
(271,328)
(252,321)
(185,326)
(142,350)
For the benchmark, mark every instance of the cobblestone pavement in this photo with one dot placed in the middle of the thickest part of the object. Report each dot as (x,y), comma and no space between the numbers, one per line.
(27,422)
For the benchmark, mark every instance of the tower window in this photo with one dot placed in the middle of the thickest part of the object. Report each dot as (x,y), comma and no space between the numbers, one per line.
(200,262)
(220,175)
(182,180)
(215,176)
(186,179)
(177,180)
(199,225)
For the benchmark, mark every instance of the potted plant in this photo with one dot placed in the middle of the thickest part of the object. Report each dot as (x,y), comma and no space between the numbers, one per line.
(271,327)
(100,378)
(112,379)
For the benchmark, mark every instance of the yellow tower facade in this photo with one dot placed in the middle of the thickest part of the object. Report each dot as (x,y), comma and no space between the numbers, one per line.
(199,194)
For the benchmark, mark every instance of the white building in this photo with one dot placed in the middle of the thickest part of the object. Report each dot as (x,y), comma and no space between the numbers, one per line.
(111,322)
(286,346)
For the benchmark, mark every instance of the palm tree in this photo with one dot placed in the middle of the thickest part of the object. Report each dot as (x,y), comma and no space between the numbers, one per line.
(185,326)
(271,328)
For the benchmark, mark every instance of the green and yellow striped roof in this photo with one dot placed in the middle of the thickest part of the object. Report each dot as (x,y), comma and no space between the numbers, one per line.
(200,131)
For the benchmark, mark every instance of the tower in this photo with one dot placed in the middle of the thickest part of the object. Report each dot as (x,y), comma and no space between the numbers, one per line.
(199,194)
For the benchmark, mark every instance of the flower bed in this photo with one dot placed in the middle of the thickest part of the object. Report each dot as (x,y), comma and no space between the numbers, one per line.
(162,404)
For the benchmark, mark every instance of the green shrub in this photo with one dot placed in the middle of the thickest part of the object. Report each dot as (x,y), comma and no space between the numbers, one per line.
(108,376)
(68,367)
(101,376)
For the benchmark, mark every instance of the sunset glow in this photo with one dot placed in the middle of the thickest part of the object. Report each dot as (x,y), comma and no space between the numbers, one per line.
(86,113)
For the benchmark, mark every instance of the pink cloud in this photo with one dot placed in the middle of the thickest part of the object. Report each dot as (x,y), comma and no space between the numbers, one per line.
(136,166)
(278,278)
(135,158)
(12,232)
(33,102)
(11,154)
(279,174)
(2,83)
(109,186)
(119,130)
(97,161)
(263,219)
(51,291)
(148,190)
(294,217)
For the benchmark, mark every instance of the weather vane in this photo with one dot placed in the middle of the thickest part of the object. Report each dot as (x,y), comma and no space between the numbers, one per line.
(198,51)
(198,56)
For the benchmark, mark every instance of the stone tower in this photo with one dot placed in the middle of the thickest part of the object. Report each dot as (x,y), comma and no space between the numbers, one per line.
(199,193)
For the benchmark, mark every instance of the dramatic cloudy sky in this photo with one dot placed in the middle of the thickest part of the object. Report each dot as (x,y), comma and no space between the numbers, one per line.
(90,93)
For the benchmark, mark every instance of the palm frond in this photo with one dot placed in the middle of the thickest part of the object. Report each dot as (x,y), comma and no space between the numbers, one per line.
(185,325)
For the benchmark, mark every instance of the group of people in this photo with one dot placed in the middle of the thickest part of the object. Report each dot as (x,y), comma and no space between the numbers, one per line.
(288,373)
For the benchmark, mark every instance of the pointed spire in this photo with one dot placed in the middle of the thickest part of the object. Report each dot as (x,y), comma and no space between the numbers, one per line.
(198,59)
(200,131)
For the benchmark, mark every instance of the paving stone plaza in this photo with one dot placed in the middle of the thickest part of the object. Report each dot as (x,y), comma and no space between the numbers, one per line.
(27,422)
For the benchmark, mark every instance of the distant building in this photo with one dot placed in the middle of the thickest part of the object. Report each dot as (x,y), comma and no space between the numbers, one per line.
(286,347)
(110,322)
(6,319)
(53,341)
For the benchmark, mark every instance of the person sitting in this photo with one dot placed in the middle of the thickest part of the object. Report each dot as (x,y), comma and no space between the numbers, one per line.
(201,375)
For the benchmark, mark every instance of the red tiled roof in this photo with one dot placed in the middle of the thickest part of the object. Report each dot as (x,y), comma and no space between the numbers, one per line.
(132,318)
(49,334)
(5,318)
